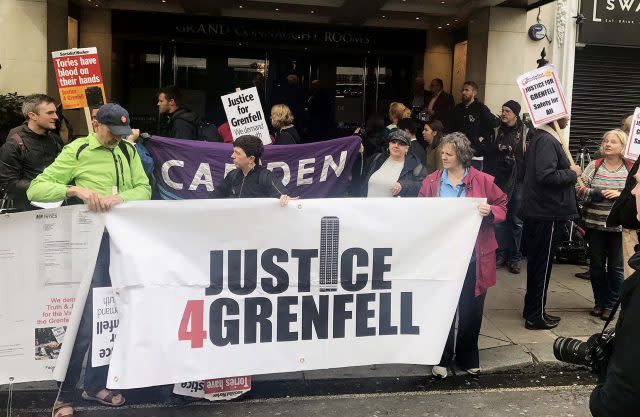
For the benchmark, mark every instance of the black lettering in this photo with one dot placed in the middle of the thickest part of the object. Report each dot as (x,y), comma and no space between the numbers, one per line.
(280,280)
(346,269)
(217,326)
(250,271)
(379,268)
(340,314)
(406,314)
(253,318)
(304,257)
(363,314)
(316,316)
(385,328)
(215,272)
(285,318)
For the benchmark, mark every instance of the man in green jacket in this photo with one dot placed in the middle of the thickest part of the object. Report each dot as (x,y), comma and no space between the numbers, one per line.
(105,171)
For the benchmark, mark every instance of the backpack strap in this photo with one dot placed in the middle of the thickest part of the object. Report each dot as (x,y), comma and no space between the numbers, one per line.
(80,149)
(628,164)
(18,140)
(123,145)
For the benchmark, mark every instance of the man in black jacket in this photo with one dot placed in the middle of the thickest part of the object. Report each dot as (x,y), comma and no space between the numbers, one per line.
(180,122)
(504,159)
(474,119)
(618,395)
(410,127)
(439,103)
(29,149)
(548,201)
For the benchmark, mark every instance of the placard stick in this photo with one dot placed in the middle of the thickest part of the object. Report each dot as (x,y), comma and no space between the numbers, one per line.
(566,148)
(87,117)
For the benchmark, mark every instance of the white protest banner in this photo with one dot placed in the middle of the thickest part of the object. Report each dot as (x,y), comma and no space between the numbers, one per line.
(244,114)
(105,325)
(632,151)
(215,389)
(543,95)
(44,255)
(245,287)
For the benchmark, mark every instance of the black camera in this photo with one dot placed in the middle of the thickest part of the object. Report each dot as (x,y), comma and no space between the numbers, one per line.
(594,353)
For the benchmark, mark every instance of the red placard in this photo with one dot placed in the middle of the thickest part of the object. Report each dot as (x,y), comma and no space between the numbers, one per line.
(79,78)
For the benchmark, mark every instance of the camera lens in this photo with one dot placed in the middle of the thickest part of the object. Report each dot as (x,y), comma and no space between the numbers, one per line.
(567,349)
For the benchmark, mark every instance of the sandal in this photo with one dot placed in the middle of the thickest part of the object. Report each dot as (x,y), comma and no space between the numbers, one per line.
(62,409)
(106,400)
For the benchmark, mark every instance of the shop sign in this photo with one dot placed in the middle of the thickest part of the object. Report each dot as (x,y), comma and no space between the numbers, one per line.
(610,22)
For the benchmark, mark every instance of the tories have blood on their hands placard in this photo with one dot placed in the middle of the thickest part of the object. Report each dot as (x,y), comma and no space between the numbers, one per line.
(79,78)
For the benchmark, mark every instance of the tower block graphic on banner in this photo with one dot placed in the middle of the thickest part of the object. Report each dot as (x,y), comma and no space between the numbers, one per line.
(329,245)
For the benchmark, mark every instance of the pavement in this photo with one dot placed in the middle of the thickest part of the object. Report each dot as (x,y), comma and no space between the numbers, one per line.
(505,345)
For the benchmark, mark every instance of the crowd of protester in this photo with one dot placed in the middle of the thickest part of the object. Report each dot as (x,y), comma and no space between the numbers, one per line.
(426,147)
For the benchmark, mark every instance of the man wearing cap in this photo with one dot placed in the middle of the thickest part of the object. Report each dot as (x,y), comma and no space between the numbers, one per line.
(103,176)
(504,159)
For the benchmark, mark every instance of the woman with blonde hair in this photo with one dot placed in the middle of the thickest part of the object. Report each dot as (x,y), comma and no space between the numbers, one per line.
(397,112)
(282,121)
(603,180)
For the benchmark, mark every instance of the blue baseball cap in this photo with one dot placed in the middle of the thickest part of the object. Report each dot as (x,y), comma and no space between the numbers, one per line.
(115,117)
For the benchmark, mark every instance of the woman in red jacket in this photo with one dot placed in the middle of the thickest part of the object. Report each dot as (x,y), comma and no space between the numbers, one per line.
(458,179)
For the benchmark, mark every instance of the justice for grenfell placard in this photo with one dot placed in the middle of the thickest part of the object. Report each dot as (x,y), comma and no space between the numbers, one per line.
(543,95)
(245,114)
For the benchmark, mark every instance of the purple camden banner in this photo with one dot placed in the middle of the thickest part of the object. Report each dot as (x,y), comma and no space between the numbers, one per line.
(187,169)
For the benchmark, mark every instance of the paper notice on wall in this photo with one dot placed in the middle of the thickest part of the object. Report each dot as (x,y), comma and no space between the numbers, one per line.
(105,326)
(79,78)
(632,151)
(215,389)
(245,114)
(543,95)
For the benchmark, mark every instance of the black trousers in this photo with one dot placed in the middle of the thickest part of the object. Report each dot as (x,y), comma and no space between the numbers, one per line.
(543,238)
(95,379)
(463,344)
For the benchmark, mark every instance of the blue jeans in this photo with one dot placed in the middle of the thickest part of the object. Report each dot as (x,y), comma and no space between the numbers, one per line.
(509,232)
(606,266)
(95,379)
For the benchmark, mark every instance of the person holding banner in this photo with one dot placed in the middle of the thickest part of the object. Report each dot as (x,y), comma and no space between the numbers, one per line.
(102,177)
(396,172)
(250,179)
(458,179)
(548,202)
(603,180)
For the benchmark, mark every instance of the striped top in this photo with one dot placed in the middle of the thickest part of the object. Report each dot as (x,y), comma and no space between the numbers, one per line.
(596,208)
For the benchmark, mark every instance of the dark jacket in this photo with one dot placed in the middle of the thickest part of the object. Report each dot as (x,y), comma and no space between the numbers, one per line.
(259,183)
(504,155)
(441,108)
(288,136)
(475,121)
(411,176)
(20,165)
(624,210)
(420,153)
(548,192)
(181,124)
(619,396)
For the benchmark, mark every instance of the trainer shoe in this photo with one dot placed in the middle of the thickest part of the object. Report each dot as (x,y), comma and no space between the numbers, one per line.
(439,371)
(473,371)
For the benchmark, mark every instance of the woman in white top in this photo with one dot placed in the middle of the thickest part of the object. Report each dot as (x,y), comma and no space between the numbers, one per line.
(396,172)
